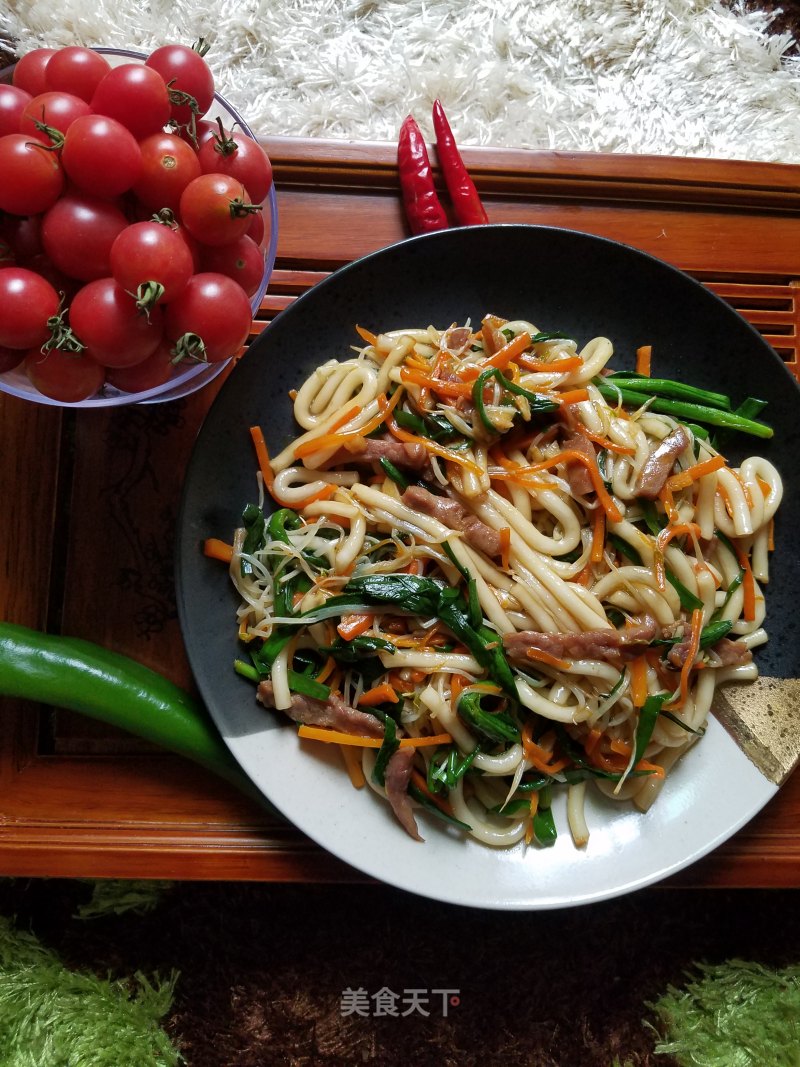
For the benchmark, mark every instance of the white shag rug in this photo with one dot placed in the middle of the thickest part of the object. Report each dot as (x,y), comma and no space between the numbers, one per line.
(670,77)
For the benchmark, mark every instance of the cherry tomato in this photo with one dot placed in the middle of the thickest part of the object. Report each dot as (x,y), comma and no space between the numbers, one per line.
(134,95)
(78,232)
(168,165)
(58,110)
(12,104)
(151,252)
(65,286)
(76,70)
(149,374)
(101,156)
(10,358)
(214,308)
(29,73)
(32,175)
(243,159)
(107,321)
(24,234)
(257,227)
(28,301)
(241,260)
(185,71)
(215,209)
(67,377)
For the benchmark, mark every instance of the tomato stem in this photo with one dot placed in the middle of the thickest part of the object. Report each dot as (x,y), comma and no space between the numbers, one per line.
(61,336)
(224,144)
(147,296)
(201,46)
(239,208)
(190,346)
(165,217)
(56,136)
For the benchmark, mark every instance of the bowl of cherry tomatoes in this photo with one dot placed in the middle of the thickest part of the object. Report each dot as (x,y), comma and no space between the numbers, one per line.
(138,226)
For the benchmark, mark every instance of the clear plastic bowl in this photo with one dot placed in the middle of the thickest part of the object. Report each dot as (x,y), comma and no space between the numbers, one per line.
(185,379)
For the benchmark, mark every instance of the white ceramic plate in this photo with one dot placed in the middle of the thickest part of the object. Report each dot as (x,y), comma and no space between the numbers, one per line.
(561,280)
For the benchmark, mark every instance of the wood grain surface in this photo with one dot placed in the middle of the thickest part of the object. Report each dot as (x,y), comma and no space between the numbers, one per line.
(89,502)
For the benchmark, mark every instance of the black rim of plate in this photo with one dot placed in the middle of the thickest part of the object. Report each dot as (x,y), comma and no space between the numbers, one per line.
(596,285)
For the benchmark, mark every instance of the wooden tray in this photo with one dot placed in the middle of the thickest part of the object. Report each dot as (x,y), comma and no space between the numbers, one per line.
(89,504)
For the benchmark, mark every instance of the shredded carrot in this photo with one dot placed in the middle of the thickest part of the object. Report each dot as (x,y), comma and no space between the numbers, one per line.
(620,747)
(503,356)
(328,669)
(436,385)
(663,539)
(771,535)
(469,372)
(431,446)
(582,578)
(572,396)
(216,549)
(694,645)
(353,766)
(457,683)
(538,756)
(354,625)
(505,547)
(262,455)
(292,394)
(695,472)
(532,809)
(545,657)
(748,585)
(643,356)
(320,733)
(598,535)
(422,785)
(654,768)
(572,456)
(610,446)
(638,669)
(379,694)
(331,439)
(592,741)
(558,366)
(665,496)
(365,335)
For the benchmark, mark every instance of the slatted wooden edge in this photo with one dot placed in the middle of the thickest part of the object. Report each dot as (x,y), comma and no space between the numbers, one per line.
(90,506)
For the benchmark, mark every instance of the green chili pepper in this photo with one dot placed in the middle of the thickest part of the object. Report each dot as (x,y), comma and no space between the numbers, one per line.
(69,673)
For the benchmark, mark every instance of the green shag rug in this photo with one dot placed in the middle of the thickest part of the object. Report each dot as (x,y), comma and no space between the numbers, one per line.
(53,1017)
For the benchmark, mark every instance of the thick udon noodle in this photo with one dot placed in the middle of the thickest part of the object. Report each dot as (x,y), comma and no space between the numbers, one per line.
(552,577)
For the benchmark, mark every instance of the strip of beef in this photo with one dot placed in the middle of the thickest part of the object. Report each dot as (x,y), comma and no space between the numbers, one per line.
(455,341)
(333,713)
(577,475)
(401,453)
(730,653)
(453,514)
(493,337)
(591,644)
(658,465)
(398,775)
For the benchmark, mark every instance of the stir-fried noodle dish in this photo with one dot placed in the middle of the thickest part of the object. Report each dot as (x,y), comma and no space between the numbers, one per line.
(489,567)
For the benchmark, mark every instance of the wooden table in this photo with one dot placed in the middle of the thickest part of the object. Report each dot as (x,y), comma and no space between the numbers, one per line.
(88,506)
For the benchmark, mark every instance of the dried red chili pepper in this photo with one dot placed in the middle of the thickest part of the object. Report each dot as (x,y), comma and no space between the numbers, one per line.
(466,203)
(423,208)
